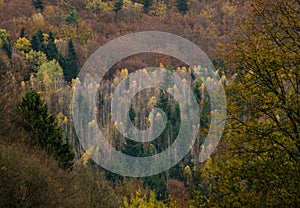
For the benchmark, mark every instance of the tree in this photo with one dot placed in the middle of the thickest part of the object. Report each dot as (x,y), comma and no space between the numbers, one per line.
(259,163)
(23,44)
(6,42)
(38,4)
(37,41)
(42,129)
(23,33)
(118,6)
(131,147)
(182,6)
(50,74)
(34,59)
(140,200)
(70,63)
(72,18)
(51,50)
(147,4)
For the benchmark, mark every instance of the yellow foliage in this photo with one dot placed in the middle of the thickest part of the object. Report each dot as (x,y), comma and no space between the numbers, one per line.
(116,81)
(86,155)
(158,9)
(140,200)
(23,44)
(152,101)
(124,73)
(92,123)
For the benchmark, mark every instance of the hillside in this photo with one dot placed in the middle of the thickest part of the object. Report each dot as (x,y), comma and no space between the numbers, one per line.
(253,48)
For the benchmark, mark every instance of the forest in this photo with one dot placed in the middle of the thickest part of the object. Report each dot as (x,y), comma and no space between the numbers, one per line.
(254,46)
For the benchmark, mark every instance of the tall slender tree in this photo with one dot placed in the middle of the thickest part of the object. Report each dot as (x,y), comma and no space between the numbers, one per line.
(51,50)
(70,63)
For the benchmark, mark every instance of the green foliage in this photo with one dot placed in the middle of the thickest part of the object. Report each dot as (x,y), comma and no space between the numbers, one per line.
(50,74)
(51,50)
(118,6)
(6,42)
(72,18)
(34,60)
(146,5)
(182,6)
(38,4)
(131,147)
(23,33)
(140,200)
(37,41)
(42,129)
(70,63)
(259,164)
(158,183)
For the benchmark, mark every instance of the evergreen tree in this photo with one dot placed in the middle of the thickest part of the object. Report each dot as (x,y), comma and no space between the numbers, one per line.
(72,18)
(158,183)
(6,42)
(42,129)
(131,147)
(182,6)
(37,41)
(7,46)
(72,52)
(38,4)
(23,33)
(70,63)
(161,143)
(51,50)
(118,6)
(146,5)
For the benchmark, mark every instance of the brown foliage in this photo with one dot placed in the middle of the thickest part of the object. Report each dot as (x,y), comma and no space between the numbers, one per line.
(178,191)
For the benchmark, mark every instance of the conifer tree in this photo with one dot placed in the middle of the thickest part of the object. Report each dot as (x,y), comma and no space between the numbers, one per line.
(147,4)
(72,18)
(37,41)
(38,4)
(6,42)
(7,46)
(182,6)
(51,50)
(131,147)
(70,63)
(118,6)
(23,33)
(42,129)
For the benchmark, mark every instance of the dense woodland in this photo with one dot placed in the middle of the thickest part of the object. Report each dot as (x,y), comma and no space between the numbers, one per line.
(255,48)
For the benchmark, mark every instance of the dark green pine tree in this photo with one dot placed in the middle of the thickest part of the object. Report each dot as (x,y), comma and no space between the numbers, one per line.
(51,50)
(131,147)
(182,6)
(37,41)
(118,6)
(7,46)
(38,4)
(146,5)
(158,183)
(42,129)
(72,18)
(70,63)
(23,33)
(163,103)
